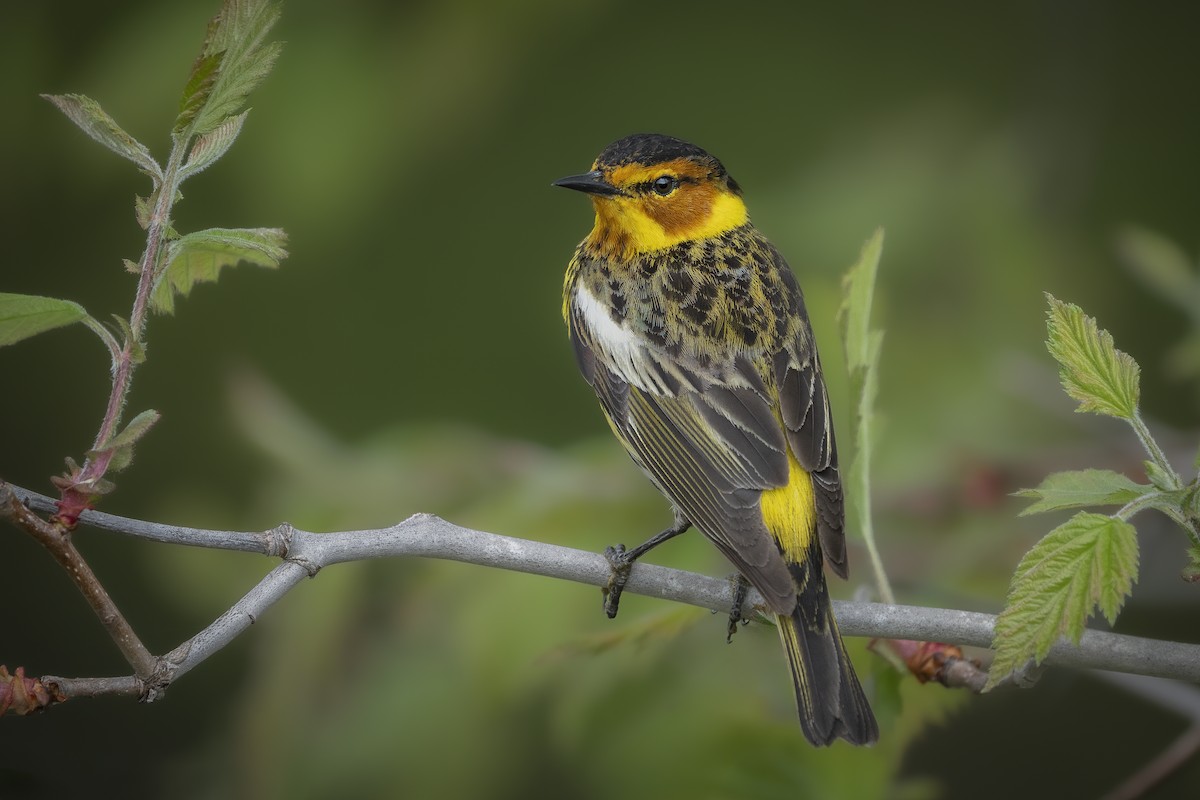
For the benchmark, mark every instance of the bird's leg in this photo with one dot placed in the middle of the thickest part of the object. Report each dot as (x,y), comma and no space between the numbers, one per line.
(741,587)
(621,561)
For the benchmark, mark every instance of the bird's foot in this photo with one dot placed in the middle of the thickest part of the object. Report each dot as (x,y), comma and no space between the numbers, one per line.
(741,587)
(621,565)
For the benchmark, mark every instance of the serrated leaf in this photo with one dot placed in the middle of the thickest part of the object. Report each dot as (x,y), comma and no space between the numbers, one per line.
(212,145)
(199,85)
(228,97)
(199,256)
(858,290)
(1102,378)
(233,60)
(96,123)
(1076,489)
(1089,562)
(25,315)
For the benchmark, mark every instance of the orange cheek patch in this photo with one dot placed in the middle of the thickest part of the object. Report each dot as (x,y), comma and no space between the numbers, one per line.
(690,207)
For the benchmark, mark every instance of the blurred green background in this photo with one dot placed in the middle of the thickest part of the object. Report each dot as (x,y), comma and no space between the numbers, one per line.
(409,356)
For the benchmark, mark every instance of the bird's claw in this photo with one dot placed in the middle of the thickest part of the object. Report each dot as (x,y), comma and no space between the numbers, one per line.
(741,587)
(621,566)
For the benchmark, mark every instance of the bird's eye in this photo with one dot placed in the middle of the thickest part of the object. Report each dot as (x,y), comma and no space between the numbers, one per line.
(664,185)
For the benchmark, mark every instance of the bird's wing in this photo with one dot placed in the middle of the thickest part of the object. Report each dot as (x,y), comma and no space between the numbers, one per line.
(711,444)
(804,406)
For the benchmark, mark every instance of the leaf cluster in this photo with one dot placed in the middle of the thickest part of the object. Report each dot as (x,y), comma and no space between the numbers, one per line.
(234,58)
(1090,562)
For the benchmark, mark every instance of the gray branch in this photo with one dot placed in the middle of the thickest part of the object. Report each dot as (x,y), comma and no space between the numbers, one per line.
(304,553)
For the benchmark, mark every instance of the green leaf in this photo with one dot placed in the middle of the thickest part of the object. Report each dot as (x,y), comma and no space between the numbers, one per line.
(858,290)
(96,123)
(199,85)
(137,351)
(142,211)
(233,60)
(212,145)
(1075,489)
(1089,562)
(121,445)
(25,315)
(200,256)
(1160,478)
(1191,573)
(136,429)
(863,346)
(1102,378)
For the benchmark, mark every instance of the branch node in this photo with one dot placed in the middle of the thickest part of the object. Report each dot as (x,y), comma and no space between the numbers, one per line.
(305,563)
(155,687)
(279,539)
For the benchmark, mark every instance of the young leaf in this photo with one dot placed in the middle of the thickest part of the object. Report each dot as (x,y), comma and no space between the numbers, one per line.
(199,84)
(121,445)
(142,210)
(212,145)
(137,351)
(233,60)
(136,429)
(25,315)
(1160,478)
(1075,489)
(200,256)
(863,345)
(858,289)
(1191,573)
(1088,562)
(96,123)
(1102,378)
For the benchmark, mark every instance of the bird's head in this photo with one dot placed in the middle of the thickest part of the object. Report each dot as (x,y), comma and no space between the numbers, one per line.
(652,192)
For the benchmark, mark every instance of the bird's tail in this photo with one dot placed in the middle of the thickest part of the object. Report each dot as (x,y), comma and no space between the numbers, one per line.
(828,695)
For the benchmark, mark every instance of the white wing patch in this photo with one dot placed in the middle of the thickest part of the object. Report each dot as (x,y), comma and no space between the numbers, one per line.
(622,350)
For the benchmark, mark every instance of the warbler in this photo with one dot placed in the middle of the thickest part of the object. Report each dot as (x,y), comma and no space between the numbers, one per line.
(692,330)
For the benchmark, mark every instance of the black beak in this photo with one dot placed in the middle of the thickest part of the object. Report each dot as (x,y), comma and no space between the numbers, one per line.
(590,182)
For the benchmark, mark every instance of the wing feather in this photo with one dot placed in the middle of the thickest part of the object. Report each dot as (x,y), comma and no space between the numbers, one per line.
(711,451)
(804,406)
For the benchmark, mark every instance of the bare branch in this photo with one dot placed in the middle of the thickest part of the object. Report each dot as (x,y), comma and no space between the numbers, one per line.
(305,553)
(57,541)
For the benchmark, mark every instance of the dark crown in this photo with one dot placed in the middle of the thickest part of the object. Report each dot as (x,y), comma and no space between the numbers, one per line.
(655,148)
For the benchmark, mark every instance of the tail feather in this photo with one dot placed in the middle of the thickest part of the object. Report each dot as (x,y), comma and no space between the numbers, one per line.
(828,695)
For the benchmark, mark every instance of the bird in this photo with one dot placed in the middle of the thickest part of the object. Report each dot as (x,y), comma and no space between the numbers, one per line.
(693,332)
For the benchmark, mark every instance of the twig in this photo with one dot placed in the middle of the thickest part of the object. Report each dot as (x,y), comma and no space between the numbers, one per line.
(305,553)
(58,541)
